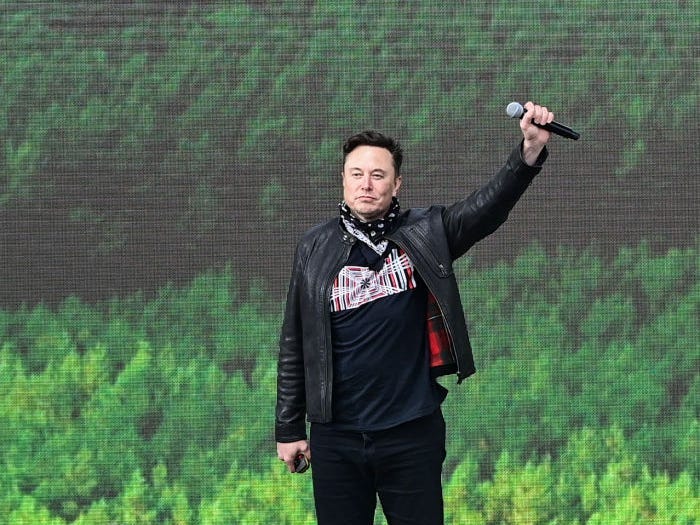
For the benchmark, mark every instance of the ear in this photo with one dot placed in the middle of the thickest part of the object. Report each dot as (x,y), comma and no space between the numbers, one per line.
(397,185)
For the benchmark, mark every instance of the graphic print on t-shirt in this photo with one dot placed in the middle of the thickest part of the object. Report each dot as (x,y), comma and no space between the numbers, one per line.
(358,285)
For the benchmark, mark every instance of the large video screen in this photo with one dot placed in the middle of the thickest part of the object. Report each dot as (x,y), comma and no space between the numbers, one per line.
(160,160)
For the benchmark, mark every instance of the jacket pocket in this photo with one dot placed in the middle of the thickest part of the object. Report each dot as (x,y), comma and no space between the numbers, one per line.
(442,266)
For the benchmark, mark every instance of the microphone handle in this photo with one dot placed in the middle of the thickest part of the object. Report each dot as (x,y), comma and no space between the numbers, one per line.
(560,129)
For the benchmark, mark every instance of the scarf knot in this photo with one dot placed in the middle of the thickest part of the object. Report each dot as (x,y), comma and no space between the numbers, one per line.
(370,232)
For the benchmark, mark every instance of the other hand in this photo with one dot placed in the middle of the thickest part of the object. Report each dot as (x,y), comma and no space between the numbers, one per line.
(288,452)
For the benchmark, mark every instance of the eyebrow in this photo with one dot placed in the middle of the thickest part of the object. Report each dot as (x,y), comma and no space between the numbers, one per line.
(375,170)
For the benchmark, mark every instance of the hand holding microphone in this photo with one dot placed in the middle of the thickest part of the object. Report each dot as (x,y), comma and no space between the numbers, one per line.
(516,110)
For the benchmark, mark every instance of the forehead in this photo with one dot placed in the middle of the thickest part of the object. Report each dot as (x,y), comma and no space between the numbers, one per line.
(369,157)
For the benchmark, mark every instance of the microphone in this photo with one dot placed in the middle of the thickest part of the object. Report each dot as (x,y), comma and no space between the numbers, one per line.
(516,110)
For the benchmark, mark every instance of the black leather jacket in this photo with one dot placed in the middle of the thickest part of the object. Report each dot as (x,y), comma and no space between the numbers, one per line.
(433,238)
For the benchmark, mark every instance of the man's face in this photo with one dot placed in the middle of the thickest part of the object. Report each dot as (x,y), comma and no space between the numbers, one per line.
(369,181)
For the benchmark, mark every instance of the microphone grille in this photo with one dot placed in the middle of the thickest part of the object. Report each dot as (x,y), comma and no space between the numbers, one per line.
(514,110)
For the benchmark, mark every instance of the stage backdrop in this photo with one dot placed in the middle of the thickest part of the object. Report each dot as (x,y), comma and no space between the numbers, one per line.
(159,160)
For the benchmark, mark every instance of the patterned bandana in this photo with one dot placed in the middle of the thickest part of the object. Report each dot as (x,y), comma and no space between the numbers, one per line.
(372,232)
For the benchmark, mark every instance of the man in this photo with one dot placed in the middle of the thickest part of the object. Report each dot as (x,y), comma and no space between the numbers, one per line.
(373,316)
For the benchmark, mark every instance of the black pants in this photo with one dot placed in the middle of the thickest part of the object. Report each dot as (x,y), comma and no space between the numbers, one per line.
(403,465)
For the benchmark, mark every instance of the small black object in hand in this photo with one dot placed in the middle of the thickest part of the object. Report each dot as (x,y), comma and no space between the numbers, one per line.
(301,464)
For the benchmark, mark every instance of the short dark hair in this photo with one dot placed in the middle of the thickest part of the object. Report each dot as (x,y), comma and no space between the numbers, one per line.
(375,138)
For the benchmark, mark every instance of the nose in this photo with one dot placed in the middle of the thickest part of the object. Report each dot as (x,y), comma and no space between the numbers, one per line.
(366,182)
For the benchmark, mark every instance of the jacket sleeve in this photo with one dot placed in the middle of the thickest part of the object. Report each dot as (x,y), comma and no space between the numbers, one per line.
(470,220)
(290,424)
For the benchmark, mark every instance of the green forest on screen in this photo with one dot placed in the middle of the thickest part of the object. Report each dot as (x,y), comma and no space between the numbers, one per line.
(150,157)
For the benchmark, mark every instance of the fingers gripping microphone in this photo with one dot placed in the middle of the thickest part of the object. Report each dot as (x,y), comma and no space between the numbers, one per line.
(516,110)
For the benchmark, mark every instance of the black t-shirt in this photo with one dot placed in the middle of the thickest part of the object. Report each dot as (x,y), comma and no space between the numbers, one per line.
(381,369)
